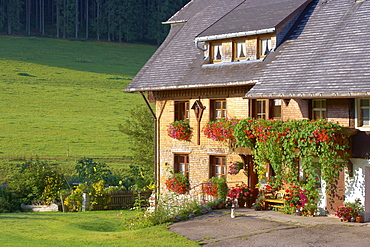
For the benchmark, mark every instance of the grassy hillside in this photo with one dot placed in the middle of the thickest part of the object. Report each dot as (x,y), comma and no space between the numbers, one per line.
(64,98)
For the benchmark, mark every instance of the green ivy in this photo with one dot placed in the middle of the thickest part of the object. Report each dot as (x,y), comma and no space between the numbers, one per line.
(316,147)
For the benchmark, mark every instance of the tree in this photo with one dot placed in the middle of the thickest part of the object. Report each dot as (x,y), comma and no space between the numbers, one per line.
(139,127)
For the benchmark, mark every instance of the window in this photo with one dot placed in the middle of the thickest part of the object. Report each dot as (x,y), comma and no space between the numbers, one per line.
(182,164)
(218,109)
(265,47)
(240,50)
(217,166)
(266,109)
(277,108)
(262,109)
(181,110)
(216,52)
(318,108)
(363,112)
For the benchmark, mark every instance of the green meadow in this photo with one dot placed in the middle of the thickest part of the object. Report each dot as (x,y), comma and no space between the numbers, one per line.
(103,228)
(62,99)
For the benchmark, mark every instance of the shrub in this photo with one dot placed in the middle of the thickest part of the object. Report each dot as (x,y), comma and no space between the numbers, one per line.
(92,172)
(8,202)
(36,182)
(170,207)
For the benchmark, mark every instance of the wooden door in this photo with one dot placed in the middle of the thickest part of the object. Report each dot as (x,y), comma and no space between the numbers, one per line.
(336,196)
(252,174)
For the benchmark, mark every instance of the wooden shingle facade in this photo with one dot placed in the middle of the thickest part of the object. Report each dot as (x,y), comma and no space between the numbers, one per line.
(296,59)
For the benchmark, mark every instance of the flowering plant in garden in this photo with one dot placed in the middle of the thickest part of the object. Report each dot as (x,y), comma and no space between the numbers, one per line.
(241,192)
(260,201)
(210,188)
(295,198)
(221,130)
(180,130)
(344,213)
(178,183)
(235,167)
(349,210)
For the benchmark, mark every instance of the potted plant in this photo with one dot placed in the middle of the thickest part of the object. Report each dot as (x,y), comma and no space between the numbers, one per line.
(243,193)
(180,130)
(310,208)
(235,167)
(344,213)
(356,210)
(259,204)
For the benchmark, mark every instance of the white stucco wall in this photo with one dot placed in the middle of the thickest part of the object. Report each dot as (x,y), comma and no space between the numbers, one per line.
(359,184)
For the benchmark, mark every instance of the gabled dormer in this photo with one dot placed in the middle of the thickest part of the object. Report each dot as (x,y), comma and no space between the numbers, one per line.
(250,31)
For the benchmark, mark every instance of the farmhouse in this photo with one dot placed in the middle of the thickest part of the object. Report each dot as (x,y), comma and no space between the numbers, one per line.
(271,59)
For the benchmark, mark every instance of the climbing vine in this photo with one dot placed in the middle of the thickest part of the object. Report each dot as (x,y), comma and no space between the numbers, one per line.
(301,152)
(317,148)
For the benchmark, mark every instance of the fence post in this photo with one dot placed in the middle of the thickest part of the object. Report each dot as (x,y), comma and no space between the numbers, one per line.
(85,201)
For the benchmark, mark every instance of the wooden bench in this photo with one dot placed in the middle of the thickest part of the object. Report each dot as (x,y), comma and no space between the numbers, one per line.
(274,199)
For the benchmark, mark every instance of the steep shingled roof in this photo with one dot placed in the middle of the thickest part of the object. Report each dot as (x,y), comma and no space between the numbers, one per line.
(178,63)
(330,57)
(254,15)
(176,58)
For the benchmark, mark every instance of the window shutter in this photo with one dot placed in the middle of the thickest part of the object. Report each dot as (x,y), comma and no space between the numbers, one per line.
(176,164)
(309,102)
(252,108)
(270,109)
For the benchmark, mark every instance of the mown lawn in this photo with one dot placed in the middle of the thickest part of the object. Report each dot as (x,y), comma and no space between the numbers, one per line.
(101,228)
(64,99)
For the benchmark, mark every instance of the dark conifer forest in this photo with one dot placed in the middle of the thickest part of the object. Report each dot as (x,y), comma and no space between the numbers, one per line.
(111,20)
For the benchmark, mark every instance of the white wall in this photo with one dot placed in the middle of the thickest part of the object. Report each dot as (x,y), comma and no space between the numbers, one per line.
(359,184)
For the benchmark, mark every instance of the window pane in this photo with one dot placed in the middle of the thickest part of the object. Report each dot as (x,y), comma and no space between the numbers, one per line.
(365,117)
(364,102)
(277,108)
(316,104)
(217,52)
(182,167)
(223,170)
(182,159)
(218,170)
(240,50)
(265,46)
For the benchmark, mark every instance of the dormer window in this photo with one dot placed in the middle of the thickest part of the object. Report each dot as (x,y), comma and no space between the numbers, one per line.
(265,47)
(216,49)
(240,50)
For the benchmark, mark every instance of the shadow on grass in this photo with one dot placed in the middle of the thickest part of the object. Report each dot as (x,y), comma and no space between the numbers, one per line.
(99,226)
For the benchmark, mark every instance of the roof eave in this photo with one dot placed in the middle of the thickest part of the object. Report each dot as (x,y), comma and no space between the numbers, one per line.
(205,85)
(235,35)
(308,95)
